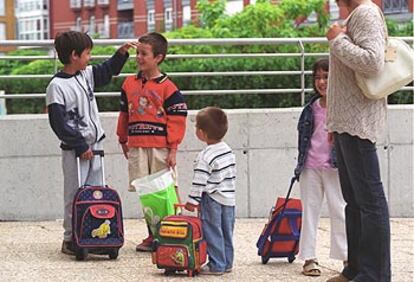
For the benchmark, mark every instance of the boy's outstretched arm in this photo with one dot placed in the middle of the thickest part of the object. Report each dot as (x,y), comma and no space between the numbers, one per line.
(102,73)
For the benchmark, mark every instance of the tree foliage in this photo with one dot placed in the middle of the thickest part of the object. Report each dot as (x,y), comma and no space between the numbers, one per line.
(261,20)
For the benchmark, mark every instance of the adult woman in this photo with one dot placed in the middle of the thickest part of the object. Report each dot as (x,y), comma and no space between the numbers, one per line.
(355,123)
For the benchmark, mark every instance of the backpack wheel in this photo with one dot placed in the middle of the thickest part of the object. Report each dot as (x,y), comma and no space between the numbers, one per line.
(169,272)
(265,259)
(291,258)
(113,254)
(81,254)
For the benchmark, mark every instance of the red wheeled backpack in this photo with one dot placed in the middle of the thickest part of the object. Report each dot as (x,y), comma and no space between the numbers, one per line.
(280,236)
(97,225)
(179,244)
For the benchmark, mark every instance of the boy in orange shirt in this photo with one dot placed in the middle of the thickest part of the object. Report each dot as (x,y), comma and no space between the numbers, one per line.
(152,116)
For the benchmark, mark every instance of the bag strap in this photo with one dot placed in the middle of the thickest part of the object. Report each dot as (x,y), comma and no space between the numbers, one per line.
(346,21)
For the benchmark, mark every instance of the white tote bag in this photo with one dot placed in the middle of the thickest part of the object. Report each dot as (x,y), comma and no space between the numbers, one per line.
(398,69)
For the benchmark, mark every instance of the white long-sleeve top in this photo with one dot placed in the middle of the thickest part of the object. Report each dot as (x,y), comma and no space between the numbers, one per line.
(215,174)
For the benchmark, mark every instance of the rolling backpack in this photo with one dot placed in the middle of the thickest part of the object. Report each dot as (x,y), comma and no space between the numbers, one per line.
(97,225)
(280,235)
(179,244)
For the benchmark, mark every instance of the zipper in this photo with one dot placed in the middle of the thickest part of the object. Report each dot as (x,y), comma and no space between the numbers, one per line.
(89,104)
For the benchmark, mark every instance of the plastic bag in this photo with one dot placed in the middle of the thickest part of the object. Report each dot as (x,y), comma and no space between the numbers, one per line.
(157,195)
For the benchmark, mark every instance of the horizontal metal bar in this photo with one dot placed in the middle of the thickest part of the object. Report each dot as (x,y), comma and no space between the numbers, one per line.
(187,92)
(180,56)
(174,74)
(197,41)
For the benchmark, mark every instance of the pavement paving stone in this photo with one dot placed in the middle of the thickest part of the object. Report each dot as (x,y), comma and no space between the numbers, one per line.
(31,252)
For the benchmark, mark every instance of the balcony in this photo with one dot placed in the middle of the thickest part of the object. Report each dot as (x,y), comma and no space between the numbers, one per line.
(103,30)
(103,3)
(125,5)
(126,30)
(76,4)
(89,3)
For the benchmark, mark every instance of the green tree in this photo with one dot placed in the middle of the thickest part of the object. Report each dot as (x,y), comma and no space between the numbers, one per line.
(262,19)
(211,11)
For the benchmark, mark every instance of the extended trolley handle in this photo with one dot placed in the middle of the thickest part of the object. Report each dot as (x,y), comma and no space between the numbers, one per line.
(99,153)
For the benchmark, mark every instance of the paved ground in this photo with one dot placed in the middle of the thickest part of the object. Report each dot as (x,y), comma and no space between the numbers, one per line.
(30,252)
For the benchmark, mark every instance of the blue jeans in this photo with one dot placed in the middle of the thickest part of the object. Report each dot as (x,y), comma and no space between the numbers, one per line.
(218,225)
(366,210)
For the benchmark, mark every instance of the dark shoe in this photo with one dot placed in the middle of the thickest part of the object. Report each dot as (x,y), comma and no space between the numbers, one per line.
(67,248)
(338,278)
(146,245)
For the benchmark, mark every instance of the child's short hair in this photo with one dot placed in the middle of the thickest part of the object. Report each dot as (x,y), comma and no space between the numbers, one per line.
(213,121)
(67,42)
(321,64)
(158,43)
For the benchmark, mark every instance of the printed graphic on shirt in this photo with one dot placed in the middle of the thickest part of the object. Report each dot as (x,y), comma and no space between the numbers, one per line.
(147,128)
(175,104)
(143,104)
(74,119)
(149,102)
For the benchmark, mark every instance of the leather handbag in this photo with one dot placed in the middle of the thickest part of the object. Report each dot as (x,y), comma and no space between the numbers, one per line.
(397,72)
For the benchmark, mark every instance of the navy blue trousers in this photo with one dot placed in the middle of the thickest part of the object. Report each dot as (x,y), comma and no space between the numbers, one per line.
(366,210)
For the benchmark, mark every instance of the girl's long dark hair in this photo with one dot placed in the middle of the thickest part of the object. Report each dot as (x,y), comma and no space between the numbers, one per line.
(321,64)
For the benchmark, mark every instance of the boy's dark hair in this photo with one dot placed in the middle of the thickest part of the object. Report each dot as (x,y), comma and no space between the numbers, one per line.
(158,43)
(67,42)
(213,121)
(321,64)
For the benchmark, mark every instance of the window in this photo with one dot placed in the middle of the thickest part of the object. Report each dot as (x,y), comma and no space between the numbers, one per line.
(2,8)
(395,6)
(168,15)
(151,17)
(106,27)
(186,15)
(2,31)
(333,10)
(89,3)
(92,26)
(78,24)
(75,3)
(233,7)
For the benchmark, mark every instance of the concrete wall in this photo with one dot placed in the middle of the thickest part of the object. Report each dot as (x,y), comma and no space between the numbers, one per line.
(264,141)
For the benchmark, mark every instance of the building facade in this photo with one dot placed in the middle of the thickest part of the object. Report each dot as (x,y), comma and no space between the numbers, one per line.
(131,18)
(120,18)
(7,22)
(32,19)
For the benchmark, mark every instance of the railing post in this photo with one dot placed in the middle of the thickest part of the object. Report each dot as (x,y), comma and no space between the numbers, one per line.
(3,109)
(302,73)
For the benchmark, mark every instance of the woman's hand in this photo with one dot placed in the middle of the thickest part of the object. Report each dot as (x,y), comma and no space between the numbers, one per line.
(334,30)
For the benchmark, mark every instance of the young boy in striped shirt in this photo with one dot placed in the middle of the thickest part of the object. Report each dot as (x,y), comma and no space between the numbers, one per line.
(213,188)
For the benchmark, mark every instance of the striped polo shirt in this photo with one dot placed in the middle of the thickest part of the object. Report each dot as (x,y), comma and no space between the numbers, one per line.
(215,174)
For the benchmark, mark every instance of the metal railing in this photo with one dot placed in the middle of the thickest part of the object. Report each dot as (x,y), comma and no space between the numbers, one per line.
(299,42)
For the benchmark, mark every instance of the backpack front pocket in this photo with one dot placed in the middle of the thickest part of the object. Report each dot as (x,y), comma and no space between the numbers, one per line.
(172,256)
